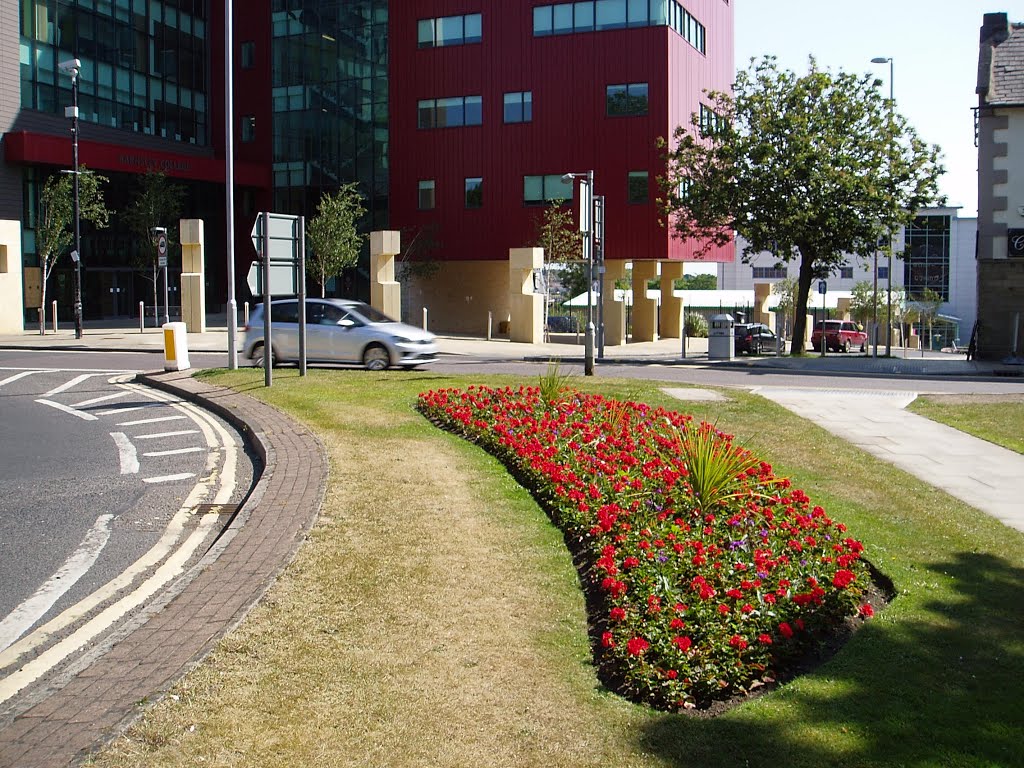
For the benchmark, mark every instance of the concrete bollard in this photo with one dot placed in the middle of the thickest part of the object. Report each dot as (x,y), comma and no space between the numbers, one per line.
(55,316)
(424,318)
(490,322)
(142,317)
(245,314)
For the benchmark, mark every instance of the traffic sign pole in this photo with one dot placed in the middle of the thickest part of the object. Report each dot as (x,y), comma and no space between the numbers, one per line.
(268,348)
(161,250)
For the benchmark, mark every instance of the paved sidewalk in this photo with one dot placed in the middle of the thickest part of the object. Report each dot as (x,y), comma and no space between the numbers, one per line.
(975,471)
(184,624)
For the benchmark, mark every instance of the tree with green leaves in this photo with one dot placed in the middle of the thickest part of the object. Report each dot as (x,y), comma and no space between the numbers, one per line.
(157,203)
(333,236)
(562,242)
(55,233)
(926,304)
(809,167)
(696,283)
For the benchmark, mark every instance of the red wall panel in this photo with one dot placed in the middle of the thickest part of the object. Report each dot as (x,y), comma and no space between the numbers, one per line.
(568,75)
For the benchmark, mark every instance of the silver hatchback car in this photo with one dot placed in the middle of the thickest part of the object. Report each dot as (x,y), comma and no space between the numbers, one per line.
(338,331)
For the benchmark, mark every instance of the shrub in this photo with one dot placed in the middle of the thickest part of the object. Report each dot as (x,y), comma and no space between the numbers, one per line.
(707,571)
(696,325)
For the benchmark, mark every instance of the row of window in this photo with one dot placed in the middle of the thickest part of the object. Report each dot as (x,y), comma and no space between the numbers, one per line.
(450,30)
(599,15)
(621,100)
(537,190)
(780,273)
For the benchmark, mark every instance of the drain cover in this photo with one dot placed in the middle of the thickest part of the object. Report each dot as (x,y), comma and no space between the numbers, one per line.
(216,509)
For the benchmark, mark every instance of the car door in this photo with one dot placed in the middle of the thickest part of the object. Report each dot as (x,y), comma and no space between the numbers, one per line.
(349,338)
(321,328)
(284,318)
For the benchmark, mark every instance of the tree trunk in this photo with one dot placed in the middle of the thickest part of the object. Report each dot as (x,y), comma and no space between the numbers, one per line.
(803,291)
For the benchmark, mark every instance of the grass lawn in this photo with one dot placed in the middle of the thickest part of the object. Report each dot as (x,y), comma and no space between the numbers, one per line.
(434,617)
(996,419)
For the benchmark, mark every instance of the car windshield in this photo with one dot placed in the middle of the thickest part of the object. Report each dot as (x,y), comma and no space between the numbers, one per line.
(370,314)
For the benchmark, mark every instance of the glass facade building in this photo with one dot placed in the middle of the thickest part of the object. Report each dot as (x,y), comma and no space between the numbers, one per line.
(926,264)
(330,103)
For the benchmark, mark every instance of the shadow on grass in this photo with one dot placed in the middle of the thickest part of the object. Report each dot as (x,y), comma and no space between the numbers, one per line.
(942,688)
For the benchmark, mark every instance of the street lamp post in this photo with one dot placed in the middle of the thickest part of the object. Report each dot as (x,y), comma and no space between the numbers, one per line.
(229,180)
(888,274)
(587,228)
(73,67)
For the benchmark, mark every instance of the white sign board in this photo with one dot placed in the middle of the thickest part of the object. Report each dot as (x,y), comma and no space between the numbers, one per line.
(283,279)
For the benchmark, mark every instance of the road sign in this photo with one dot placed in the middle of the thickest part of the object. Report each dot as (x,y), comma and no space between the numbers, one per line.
(822,287)
(283,237)
(283,279)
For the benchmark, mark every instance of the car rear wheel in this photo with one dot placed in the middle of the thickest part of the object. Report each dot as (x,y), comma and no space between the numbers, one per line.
(258,357)
(846,346)
(376,358)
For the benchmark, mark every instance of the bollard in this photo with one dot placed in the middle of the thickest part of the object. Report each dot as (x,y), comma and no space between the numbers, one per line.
(245,314)
(424,318)
(142,317)
(54,315)
(175,347)
(490,321)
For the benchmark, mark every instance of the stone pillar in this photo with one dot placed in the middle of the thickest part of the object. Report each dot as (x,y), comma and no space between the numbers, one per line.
(645,310)
(11,279)
(614,310)
(385,292)
(525,306)
(843,308)
(672,309)
(760,313)
(193,275)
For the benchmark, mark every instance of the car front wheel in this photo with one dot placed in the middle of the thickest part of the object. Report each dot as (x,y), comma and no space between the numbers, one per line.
(376,358)
(846,347)
(258,356)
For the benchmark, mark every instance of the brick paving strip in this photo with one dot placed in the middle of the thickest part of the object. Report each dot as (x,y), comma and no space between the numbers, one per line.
(184,624)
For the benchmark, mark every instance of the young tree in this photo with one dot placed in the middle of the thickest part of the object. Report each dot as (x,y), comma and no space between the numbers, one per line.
(333,238)
(926,304)
(562,242)
(157,203)
(810,167)
(786,290)
(55,233)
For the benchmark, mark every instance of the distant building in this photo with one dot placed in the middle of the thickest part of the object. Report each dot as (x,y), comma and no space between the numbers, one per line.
(1000,138)
(938,254)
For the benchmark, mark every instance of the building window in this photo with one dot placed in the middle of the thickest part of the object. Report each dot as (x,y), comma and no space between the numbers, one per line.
(769,273)
(519,107)
(248,128)
(248,54)
(450,30)
(474,192)
(628,99)
(883,273)
(846,273)
(450,112)
(599,15)
(710,121)
(426,195)
(926,260)
(538,190)
(638,187)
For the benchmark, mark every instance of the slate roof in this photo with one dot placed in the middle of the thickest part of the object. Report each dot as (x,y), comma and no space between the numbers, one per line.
(1001,69)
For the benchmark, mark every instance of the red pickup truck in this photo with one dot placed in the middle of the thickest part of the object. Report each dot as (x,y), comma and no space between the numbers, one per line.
(840,335)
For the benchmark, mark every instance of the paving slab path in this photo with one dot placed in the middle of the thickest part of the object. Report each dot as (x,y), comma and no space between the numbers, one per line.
(984,475)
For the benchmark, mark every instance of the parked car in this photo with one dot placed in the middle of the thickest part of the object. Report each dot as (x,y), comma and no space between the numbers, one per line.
(839,335)
(757,338)
(338,331)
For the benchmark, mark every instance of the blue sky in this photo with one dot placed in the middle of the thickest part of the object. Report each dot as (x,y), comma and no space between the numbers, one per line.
(934,46)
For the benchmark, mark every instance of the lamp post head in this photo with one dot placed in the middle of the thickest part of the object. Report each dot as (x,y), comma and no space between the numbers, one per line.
(881,60)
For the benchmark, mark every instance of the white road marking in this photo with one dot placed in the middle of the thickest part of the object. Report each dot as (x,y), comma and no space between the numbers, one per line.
(129,408)
(173,566)
(156,435)
(81,560)
(100,399)
(139,422)
(126,452)
(176,451)
(169,478)
(68,409)
(17,376)
(69,384)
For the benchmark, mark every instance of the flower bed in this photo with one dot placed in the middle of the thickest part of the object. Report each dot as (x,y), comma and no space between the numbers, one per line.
(707,572)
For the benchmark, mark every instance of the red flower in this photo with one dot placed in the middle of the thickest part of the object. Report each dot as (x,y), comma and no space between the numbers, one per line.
(676,623)
(682,643)
(737,642)
(867,611)
(606,640)
(785,630)
(671,674)
(764,639)
(636,646)
(617,614)
(843,579)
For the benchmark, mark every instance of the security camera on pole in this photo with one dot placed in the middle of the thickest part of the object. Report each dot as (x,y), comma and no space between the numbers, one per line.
(587,228)
(73,67)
